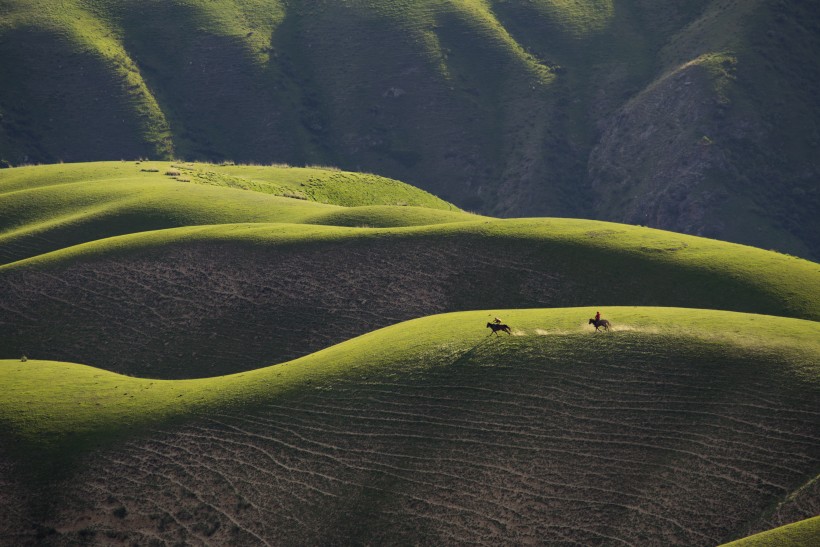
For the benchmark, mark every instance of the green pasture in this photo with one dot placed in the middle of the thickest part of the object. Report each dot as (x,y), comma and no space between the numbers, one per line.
(45,208)
(57,408)
(315,184)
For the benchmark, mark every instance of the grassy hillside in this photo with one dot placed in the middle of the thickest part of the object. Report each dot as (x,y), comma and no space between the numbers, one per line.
(679,426)
(695,116)
(209,300)
(45,208)
(798,534)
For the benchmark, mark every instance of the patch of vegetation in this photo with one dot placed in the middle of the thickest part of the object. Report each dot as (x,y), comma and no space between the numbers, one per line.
(798,534)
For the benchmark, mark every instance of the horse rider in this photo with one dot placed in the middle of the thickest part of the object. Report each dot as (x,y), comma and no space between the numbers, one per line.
(597,316)
(497,321)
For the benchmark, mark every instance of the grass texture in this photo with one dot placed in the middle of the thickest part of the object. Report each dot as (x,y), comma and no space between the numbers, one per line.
(798,534)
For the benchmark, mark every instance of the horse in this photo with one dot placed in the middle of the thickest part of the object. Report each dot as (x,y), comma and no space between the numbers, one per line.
(495,327)
(600,323)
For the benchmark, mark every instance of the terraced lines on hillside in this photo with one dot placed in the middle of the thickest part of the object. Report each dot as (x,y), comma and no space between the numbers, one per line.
(678,436)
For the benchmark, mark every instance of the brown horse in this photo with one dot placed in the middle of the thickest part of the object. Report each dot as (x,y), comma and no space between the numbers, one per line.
(495,327)
(600,323)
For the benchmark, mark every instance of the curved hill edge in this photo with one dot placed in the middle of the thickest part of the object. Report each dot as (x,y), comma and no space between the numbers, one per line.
(797,534)
(320,184)
(46,208)
(787,284)
(46,401)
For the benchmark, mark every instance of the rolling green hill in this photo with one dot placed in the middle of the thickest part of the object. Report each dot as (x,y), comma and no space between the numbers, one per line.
(208,300)
(177,285)
(46,208)
(679,426)
(696,116)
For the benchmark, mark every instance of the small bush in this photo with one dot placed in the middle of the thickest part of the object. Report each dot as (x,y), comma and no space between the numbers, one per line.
(172,173)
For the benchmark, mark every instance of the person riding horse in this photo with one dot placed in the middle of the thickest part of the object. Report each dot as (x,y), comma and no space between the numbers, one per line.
(495,327)
(600,323)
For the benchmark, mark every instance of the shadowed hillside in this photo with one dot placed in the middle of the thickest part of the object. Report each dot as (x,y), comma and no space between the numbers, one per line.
(678,427)
(696,116)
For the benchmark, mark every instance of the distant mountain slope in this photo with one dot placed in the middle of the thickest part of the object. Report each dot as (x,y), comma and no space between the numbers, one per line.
(697,116)
(679,427)
(201,301)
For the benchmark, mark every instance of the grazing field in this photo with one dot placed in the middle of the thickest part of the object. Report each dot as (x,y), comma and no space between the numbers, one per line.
(678,426)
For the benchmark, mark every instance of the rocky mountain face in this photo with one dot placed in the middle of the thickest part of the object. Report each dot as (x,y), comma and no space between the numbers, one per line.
(699,117)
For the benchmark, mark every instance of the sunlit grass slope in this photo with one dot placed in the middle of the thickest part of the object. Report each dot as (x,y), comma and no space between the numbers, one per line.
(44,208)
(799,534)
(678,426)
(48,404)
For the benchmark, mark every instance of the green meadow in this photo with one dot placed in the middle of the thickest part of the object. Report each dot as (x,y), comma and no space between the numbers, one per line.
(623,262)
(45,208)
(631,111)
(52,405)
(258,314)
(254,348)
